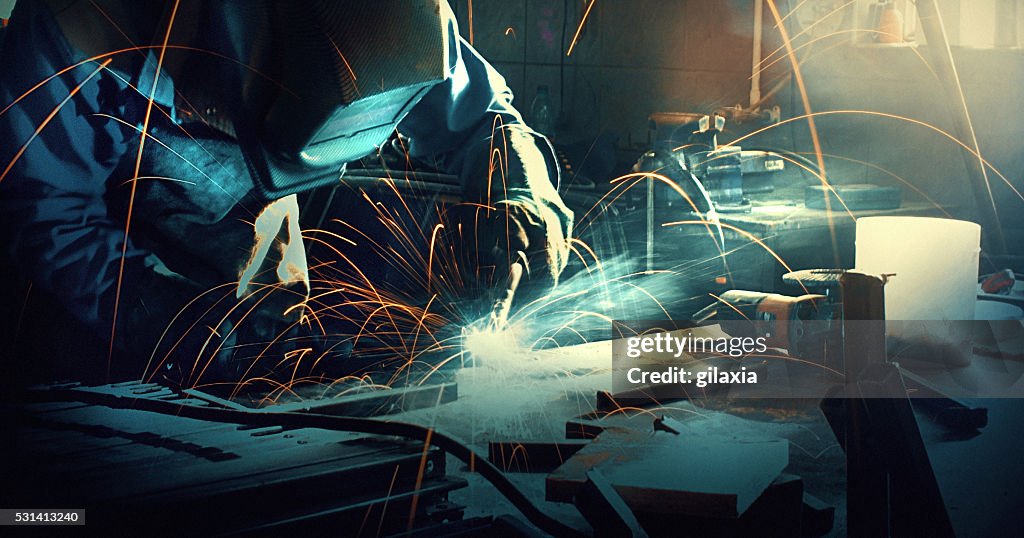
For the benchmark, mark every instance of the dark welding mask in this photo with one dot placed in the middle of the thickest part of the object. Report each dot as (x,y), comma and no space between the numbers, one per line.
(306,87)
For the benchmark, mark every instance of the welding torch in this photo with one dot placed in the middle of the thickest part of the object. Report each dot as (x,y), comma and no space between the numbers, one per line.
(503,305)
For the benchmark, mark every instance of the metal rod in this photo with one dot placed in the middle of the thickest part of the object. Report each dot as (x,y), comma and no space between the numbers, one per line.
(503,306)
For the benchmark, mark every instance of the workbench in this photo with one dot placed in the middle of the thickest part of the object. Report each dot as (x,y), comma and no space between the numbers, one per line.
(531,397)
(539,397)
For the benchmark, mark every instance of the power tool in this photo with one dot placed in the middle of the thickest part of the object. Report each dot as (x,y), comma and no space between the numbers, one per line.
(801,325)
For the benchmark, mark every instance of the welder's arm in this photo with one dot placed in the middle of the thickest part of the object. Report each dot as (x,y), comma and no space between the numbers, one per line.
(469,123)
(53,211)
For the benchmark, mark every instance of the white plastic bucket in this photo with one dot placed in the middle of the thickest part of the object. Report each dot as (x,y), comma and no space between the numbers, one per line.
(934,263)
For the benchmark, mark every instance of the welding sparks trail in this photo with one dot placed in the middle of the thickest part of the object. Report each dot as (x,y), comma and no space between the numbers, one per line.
(988,165)
(799,78)
(131,195)
(760,66)
(574,313)
(579,29)
(46,121)
(417,341)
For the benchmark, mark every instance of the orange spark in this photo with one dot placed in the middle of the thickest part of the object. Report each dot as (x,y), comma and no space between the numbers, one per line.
(49,117)
(744,233)
(799,78)
(896,117)
(419,477)
(579,28)
(131,196)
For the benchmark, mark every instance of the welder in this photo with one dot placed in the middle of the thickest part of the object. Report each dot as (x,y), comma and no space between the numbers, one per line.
(139,141)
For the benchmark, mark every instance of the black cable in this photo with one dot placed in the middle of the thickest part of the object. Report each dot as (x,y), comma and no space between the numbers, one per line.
(488,470)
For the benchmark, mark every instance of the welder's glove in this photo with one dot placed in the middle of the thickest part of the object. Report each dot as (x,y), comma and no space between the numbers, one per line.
(278,261)
(271,295)
(172,328)
(523,229)
(533,233)
(188,335)
(199,334)
(526,219)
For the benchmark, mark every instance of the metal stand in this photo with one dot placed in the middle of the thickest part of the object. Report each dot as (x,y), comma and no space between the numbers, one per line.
(891,487)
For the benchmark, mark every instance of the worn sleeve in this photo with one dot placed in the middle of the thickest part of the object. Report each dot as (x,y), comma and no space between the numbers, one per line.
(57,149)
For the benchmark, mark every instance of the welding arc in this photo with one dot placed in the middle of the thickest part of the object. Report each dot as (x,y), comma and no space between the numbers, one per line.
(533,513)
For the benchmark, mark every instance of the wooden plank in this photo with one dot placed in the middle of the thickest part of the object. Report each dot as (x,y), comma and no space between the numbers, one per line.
(130,421)
(376,472)
(53,445)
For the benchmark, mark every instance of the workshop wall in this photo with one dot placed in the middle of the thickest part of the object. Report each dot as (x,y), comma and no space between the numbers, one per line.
(898,81)
(631,58)
(642,56)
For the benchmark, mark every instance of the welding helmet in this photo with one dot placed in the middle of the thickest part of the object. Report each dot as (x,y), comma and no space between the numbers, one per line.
(306,87)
